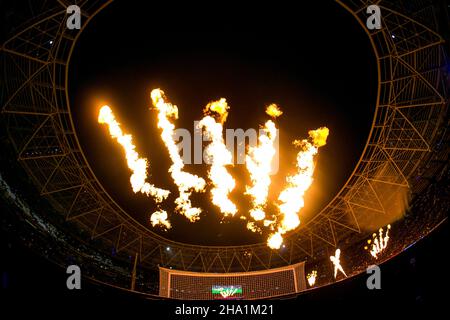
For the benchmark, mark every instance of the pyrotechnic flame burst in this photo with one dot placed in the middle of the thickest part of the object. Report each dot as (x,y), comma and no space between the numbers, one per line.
(274,111)
(275,240)
(219,156)
(160,218)
(253,227)
(137,164)
(291,199)
(185,181)
(379,243)
(258,162)
(311,277)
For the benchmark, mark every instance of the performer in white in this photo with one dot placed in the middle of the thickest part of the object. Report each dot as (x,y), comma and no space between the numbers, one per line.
(337,263)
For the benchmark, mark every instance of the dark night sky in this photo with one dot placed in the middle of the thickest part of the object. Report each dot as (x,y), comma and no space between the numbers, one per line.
(316,62)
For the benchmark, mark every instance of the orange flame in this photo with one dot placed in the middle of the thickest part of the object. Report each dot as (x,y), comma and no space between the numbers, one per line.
(137,165)
(291,199)
(258,162)
(219,156)
(185,181)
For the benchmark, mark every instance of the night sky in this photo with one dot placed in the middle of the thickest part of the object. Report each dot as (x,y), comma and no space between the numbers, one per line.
(316,62)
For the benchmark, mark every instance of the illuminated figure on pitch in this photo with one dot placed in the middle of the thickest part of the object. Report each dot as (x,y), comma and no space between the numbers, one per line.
(337,263)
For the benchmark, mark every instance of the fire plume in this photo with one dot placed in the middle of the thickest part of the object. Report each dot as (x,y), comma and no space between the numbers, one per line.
(160,218)
(379,242)
(274,111)
(258,162)
(137,164)
(259,159)
(186,182)
(219,156)
(311,277)
(291,199)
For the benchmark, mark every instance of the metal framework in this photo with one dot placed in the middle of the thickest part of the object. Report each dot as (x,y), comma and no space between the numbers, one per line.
(410,108)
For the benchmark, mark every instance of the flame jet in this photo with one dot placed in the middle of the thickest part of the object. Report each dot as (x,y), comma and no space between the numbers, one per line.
(185,181)
(218,155)
(291,199)
(137,165)
(258,162)
(380,242)
(311,277)
(160,218)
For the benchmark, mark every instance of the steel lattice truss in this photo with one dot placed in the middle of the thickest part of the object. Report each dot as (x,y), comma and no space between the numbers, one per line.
(411,103)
